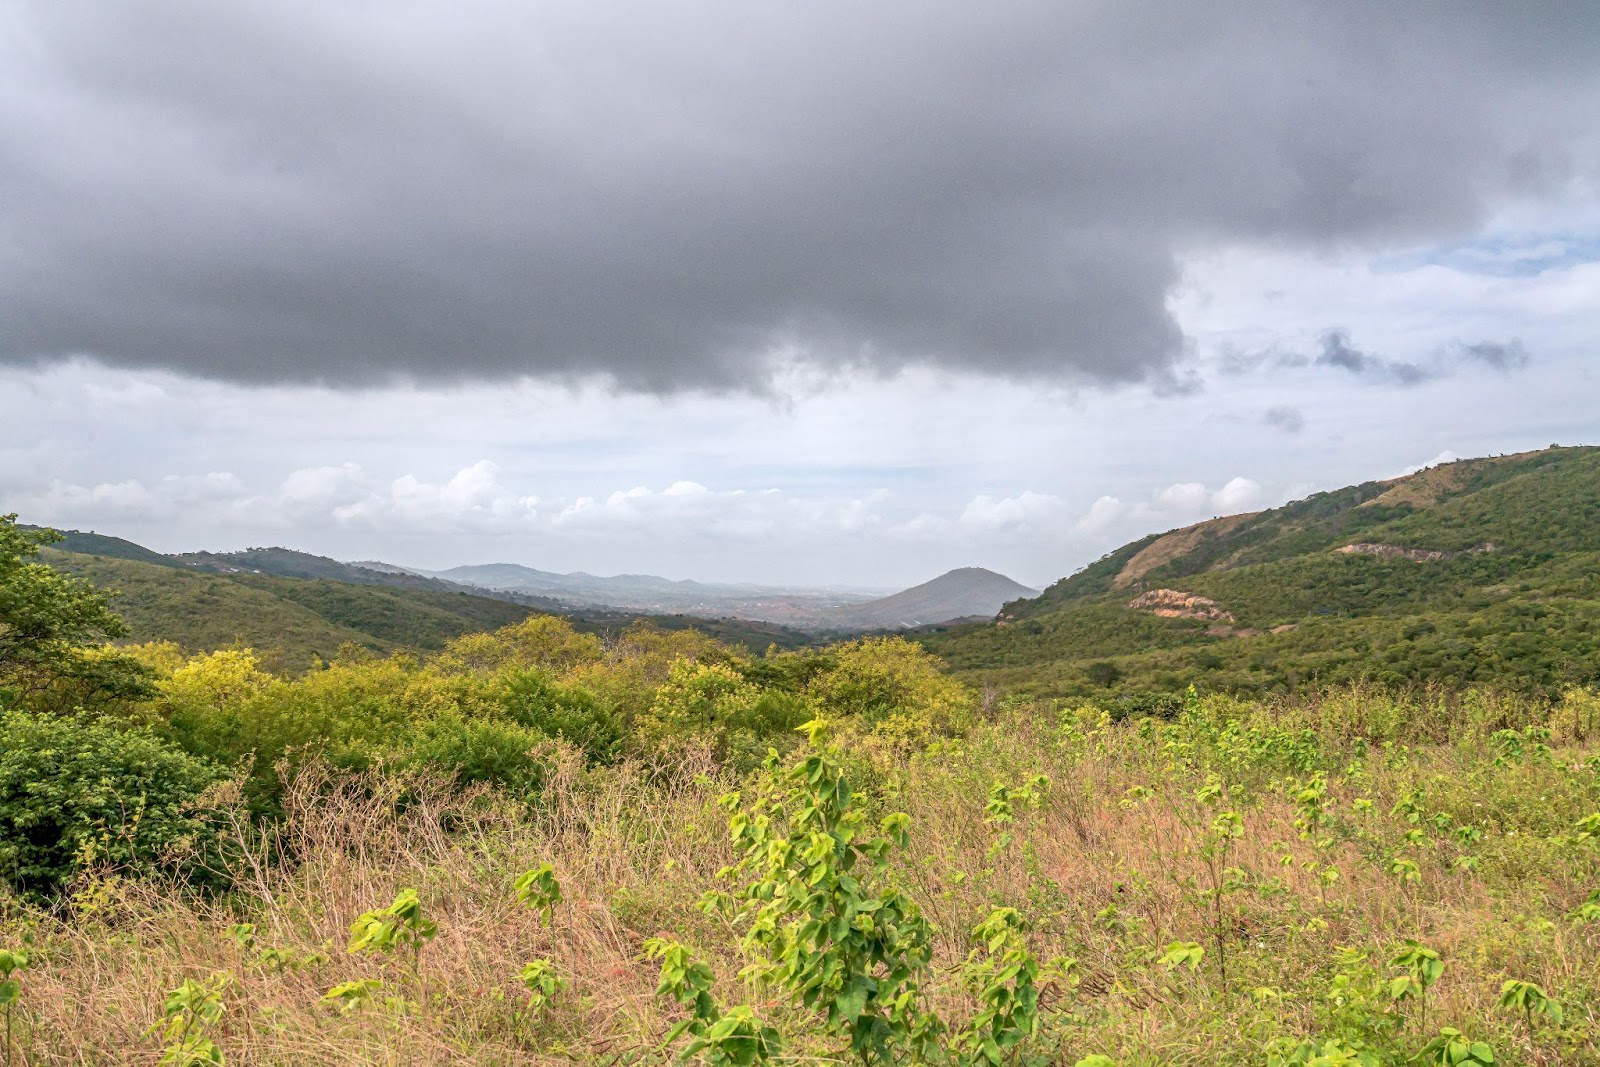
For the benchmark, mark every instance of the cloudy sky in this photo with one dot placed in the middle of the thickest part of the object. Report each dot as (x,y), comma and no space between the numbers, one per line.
(816,293)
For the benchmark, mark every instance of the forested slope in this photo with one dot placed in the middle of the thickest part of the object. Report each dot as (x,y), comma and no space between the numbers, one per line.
(1481,571)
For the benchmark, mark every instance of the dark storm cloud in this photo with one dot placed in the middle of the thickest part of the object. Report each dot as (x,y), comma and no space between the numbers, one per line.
(676,194)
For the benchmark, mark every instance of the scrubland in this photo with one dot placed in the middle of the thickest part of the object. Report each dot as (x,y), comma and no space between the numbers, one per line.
(537,847)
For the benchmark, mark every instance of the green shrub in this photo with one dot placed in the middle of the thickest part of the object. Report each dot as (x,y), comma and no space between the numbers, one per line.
(533,699)
(479,750)
(892,680)
(73,791)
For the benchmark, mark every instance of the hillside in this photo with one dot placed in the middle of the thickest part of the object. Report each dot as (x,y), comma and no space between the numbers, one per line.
(108,547)
(964,593)
(294,622)
(291,622)
(289,563)
(1480,571)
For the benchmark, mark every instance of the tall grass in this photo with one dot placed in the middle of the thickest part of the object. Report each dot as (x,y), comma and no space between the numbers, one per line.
(1111,867)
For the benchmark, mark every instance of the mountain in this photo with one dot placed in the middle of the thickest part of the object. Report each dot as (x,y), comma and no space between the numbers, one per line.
(813,609)
(964,593)
(294,608)
(104,545)
(289,563)
(1483,571)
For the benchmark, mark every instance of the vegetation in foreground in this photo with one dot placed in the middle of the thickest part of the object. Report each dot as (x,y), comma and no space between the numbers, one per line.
(542,846)
(1334,883)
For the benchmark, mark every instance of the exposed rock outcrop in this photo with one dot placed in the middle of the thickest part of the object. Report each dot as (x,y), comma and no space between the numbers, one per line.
(1175,604)
(1364,548)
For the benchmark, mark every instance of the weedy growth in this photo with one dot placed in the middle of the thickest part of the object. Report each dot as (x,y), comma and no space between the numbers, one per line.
(191,1010)
(12,961)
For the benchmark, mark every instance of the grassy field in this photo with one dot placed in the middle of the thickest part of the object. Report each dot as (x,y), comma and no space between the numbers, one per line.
(1238,884)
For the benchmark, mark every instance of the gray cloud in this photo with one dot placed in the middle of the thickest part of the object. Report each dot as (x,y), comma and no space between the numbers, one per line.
(1284,417)
(681,194)
(1503,356)
(1337,351)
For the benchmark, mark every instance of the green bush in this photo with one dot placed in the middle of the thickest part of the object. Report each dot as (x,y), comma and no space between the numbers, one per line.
(73,791)
(479,750)
(533,699)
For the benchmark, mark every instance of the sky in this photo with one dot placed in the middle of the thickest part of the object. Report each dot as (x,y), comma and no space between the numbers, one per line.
(810,294)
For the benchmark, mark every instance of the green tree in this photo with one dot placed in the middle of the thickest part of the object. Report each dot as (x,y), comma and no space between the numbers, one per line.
(51,627)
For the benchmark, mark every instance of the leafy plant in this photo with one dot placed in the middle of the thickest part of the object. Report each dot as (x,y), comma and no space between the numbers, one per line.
(268,958)
(1217,841)
(1005,976)
(539,890)
(1422,967)
(1332,1052)
(191,1010)
(1531,1000)
(1589,910)
(1182,954)
(733,1039)
(400,924)
(352,995)
(543,984)
(11,961)
(1452,1048)
(833,929)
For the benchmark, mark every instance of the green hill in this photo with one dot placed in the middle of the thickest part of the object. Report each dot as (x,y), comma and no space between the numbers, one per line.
(108,547)
(295,621)
(1482,571)
(291,622)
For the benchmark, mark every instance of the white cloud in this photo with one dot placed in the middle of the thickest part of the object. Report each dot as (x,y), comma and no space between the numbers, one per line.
(1183,498)
(1446,456)
(1102,513)
(1240,494)
(1026,509)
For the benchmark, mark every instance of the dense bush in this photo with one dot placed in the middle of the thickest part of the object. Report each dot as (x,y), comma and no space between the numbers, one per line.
(478,750)
(74,792)
(535,700)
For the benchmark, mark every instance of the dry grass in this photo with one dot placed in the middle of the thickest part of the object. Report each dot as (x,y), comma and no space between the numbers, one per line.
(1106,879)
(1170,546)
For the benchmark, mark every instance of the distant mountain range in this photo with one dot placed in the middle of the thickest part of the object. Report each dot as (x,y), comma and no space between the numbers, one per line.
(810,608)
(1478,572)
(965,593)
(297,607)
(295,621)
